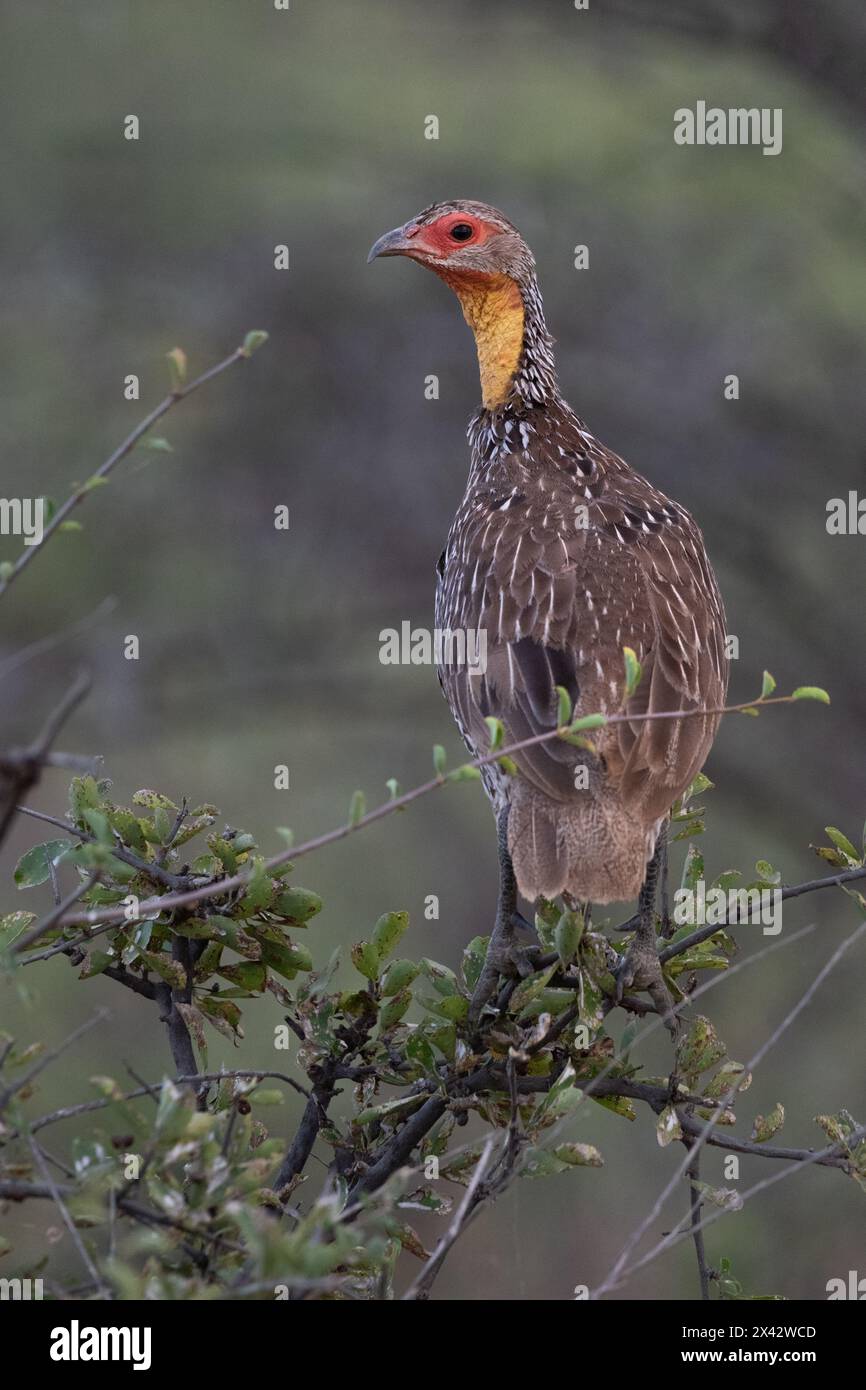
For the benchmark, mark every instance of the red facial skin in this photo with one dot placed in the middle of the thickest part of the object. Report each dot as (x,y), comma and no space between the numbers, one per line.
(436,241)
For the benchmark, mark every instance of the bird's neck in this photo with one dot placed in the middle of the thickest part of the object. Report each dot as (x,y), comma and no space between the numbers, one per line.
(515,356)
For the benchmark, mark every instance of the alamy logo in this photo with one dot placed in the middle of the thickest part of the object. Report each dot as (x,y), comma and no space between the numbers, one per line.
(854,1288)
(444,646)
(20,1289)
(739,125)
(77,1343)
(23,516)
(701,906)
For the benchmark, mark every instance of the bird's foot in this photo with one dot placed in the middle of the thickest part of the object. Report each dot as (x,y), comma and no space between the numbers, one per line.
(510,959)
(639,969)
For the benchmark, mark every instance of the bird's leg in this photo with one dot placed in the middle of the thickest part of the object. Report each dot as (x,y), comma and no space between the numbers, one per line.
(667,926)
(640,968)
(500,958)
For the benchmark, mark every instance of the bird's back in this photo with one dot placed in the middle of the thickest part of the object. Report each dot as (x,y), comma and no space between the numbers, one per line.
(563,555)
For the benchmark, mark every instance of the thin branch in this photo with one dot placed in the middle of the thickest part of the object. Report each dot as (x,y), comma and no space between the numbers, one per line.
(55,639)
(218,888)
(70,1112)
(144,866)
(64,1212)
(51,1056)
(695,1207)
(27,938)
(172,399)
(620,1269)
(796,891)
(420,1287)
(810,1157)
(21,769)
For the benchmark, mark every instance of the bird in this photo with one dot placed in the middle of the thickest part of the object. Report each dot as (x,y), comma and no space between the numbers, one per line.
(563,556)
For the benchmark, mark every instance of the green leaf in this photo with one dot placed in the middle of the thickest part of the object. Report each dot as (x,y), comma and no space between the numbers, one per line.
(394,1009)
(158,444)
(145,796)
(224,1014)
(439,759)
(496,729)
(724,1079)
(567,937)
(633,671)
(548,1001)
(12,925)
(454,1008)
(398,976)
(668,1127)
(357,808)
(700,1050)
(253,341)
(267,1097)
(365,959)
(169,970)
(393,788)
(94,964)
(83,793)
(573,734)
(563,713)
(766,873)
(128,828)
(390,1110)
(248,974)
(464,773)
(177,367)
(768,686)
(811,692)
(842,842)
(296,904)
(97,824)
(620,1105)
(766,1126)
(287,958)
(388,931)
(579,1155)
(259,891)
(34,867)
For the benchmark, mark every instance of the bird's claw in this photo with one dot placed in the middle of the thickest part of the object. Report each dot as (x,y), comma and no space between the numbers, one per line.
(639,969)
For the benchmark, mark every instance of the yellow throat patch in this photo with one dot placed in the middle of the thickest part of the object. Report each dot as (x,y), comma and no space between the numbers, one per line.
(493,308)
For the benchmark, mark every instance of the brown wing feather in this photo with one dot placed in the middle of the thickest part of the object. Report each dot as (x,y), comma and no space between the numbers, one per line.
(580,558)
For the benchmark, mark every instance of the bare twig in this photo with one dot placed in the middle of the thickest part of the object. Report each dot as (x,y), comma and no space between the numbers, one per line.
(144,866)
(21,769)
(64,1212)
(51,919)
(420,1287)
(219,888)
(172,399)
(70,1112)
(49,1057)
(620,1270)
(695,1207)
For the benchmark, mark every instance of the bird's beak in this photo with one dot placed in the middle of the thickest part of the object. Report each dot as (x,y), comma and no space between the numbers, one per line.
(394,243)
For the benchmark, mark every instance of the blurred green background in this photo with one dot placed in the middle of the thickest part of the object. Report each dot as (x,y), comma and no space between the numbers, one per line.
(261,647)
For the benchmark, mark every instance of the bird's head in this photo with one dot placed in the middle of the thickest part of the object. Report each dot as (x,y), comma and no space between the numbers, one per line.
(486,262)
(460,239)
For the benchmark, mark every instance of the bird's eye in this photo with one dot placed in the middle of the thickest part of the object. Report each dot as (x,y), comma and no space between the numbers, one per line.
(461,231)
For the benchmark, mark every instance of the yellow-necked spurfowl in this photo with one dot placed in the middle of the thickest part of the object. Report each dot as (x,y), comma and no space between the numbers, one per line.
(563,556)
